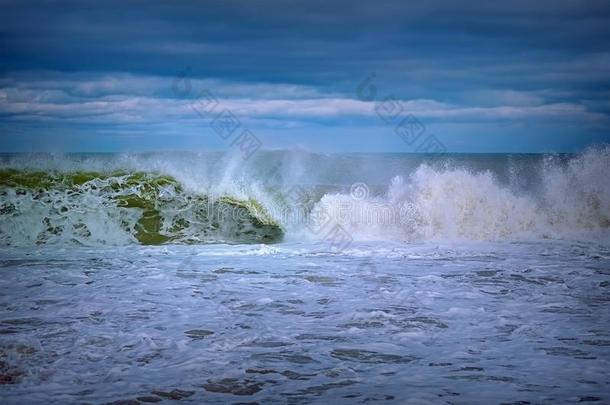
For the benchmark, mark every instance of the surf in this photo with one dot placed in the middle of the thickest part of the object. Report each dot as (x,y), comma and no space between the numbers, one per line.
(93,208)
(569,200)
(214,197)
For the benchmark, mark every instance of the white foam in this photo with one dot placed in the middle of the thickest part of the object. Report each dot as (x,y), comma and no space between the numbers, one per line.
(440,204)
(426,202)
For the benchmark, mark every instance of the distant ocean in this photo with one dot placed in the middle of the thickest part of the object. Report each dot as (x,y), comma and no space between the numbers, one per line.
(298,277)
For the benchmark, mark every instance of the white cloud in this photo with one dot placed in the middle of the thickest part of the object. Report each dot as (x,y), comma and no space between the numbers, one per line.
(124,99)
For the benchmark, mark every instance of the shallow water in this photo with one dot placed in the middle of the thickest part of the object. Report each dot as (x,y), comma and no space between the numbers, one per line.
(471,322)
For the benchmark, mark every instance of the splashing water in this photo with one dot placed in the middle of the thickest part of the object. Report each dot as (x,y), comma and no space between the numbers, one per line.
(172,198)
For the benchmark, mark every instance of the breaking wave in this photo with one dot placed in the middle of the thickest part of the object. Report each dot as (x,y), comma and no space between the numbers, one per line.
(571,200)
(213,198)
(91,208)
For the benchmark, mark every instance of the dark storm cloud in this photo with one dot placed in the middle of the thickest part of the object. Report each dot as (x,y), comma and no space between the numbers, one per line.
(315,42)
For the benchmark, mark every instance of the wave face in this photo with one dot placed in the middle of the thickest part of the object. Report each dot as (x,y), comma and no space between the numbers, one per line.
(94,199)
(91,208)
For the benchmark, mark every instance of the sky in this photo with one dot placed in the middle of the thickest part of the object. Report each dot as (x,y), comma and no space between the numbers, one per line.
(331,76)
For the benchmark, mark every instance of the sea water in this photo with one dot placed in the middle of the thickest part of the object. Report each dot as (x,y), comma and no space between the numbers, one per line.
(397,279)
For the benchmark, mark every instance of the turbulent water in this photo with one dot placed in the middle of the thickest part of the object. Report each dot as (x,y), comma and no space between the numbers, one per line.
(295,277)
(203,198)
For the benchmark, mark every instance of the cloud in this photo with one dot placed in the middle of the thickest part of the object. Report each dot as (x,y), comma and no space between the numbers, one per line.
(297,66)
(122,99)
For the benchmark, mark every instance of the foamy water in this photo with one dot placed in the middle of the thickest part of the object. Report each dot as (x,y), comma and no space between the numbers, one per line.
(571,201)
(294,322)
(399,198)
(467,279)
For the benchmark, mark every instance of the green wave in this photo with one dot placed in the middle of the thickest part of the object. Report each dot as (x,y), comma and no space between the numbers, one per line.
(152,208)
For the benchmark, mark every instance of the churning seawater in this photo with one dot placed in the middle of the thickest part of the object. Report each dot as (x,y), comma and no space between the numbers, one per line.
(458,279)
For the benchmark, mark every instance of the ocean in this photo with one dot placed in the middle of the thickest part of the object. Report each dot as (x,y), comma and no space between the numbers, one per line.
(299,277)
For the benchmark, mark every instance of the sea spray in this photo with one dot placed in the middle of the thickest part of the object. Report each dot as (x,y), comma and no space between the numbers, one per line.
(212,197)
(432,203)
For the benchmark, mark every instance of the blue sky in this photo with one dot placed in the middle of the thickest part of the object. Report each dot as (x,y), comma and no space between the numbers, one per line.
(476,76)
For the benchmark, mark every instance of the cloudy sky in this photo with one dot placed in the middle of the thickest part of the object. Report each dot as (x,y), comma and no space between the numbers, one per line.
(518,76)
